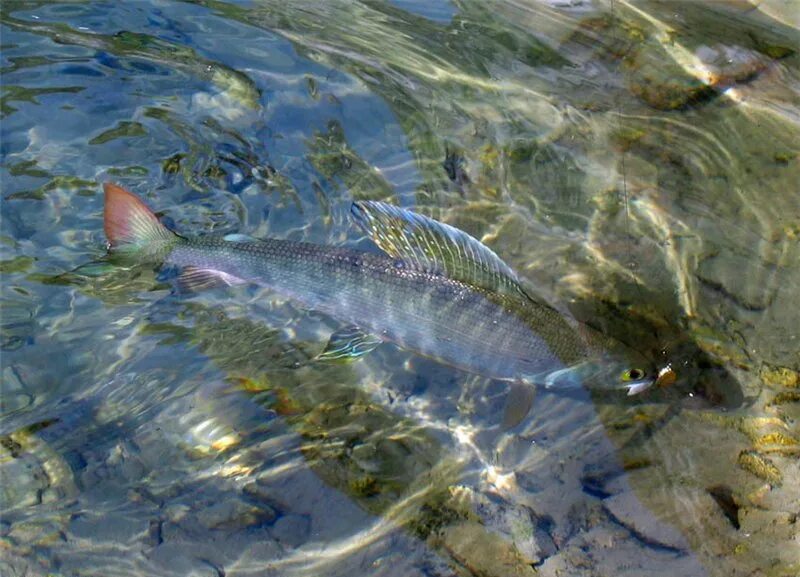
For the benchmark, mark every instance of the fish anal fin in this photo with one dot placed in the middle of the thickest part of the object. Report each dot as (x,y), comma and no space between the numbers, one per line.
(426,244)
(194,279)
(347,344)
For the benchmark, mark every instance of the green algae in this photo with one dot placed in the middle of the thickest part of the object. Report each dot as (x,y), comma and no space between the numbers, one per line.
(129,171)
(17,264)
(335,160)
(123,129)
(27,168)
(13,93)
(784,398)
(780,376)
(72,184)
(760,466)
(172,165)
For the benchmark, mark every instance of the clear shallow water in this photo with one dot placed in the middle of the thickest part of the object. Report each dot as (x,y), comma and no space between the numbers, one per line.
(635,161)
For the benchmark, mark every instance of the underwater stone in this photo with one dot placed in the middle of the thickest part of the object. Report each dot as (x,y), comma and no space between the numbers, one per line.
(752,519)
(177,559)
(252,562)
(108,528)
(629,512)
(233,514)
(291,530)
(482,553)
(656,79)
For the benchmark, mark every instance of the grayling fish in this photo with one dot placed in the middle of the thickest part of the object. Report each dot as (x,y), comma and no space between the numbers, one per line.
(435,291)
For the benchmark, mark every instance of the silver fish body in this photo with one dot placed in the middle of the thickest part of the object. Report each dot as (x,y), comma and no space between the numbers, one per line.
(500,336)
(434,290)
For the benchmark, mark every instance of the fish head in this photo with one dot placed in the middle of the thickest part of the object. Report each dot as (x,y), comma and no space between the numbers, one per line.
(633,374)
(680,372)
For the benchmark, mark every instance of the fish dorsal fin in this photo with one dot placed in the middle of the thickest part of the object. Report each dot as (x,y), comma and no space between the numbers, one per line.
(432,246)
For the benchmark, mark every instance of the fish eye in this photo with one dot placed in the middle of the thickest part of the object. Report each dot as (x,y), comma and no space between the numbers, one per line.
(633,375)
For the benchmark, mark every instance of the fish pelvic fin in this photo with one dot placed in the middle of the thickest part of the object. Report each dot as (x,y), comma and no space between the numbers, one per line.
(432,246)
(130,226)
(518,404)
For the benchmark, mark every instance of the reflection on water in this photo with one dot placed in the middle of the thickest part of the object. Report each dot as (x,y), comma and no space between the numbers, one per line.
(635,162)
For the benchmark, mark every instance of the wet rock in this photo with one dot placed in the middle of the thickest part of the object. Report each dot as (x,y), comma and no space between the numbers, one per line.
(179,560)
(234,513)
(662,83)
(722,66)
(291,530)
(36,532)
(752,519)
(520,526)
(109,528)
(32,471)
(626,509)
(14,565)
(254,561)
(264,496)
(482,553)
(176,512)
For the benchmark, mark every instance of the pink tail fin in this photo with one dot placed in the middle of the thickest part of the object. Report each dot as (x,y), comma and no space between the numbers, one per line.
(128,223)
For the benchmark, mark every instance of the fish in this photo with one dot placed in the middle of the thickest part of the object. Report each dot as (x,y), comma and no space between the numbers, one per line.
(432,289)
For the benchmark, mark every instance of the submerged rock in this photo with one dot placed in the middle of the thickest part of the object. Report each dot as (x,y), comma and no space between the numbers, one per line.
(628,511)
(483,554)
(291,530)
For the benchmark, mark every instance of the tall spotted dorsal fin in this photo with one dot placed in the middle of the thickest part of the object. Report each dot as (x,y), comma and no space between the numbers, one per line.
(429,245)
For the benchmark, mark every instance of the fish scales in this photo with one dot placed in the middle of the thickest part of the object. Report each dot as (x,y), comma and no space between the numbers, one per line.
(439,317)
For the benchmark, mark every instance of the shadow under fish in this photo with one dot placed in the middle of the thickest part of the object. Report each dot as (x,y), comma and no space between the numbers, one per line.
(434,290)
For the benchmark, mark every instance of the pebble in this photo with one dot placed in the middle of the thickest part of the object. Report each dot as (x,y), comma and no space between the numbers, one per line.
(234,514)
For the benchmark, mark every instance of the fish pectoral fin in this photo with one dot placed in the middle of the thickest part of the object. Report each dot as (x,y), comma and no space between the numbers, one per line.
(193,279)
(518,404)
(348,344)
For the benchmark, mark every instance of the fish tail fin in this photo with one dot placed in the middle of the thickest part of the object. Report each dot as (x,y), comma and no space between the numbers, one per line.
(131,227)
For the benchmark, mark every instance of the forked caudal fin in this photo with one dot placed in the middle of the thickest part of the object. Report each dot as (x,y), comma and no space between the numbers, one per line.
(130,225)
